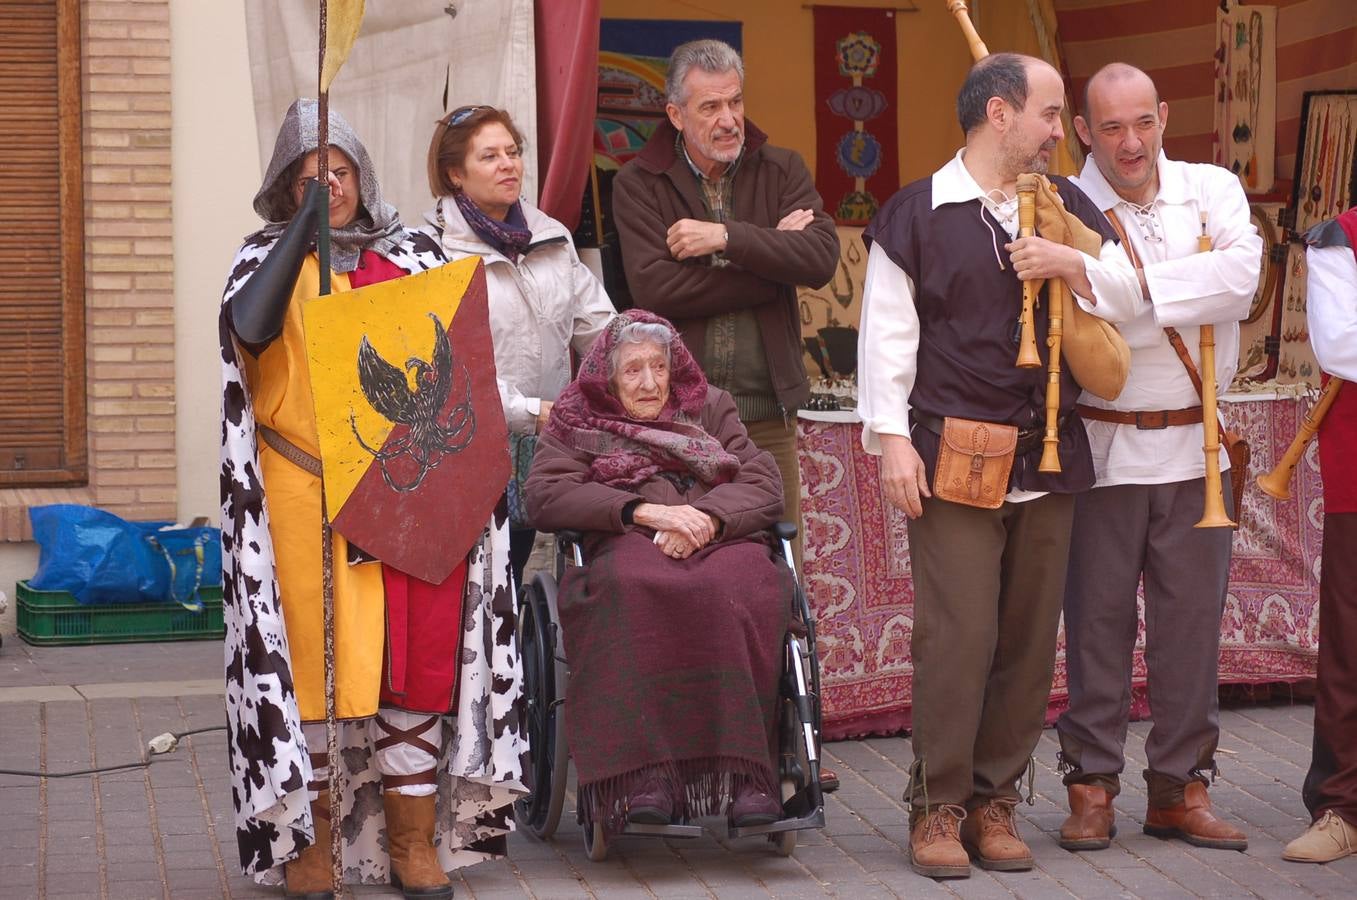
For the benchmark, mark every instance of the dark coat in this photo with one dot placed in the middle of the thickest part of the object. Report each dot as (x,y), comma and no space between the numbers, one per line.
(658,188)
(560,494)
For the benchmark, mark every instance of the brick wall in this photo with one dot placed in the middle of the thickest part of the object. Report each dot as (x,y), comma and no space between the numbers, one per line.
(129,261)
(129,270)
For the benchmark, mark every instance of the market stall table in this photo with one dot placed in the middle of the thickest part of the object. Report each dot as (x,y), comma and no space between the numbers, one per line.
(857,571)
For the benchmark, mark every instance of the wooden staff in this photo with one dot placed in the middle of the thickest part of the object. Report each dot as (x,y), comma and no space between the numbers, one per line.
(1028,358)
(1277,482)
(1213,512)
(958,8)
(326,532)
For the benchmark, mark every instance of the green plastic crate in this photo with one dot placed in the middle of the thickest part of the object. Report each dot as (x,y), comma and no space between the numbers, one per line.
(57,618)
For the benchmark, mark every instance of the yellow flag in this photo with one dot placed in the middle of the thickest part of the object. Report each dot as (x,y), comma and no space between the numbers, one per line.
(343,19)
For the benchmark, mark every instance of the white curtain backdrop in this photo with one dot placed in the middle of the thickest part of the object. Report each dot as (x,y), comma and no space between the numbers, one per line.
(391,88)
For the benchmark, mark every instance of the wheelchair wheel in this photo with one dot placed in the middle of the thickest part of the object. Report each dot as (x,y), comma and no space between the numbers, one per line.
(595,844)
(543,676)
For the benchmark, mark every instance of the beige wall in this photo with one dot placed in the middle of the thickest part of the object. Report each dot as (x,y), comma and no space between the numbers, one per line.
(216,172)
(779,72)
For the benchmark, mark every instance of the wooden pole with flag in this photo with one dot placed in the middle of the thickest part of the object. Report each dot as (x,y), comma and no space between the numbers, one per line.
(337,36)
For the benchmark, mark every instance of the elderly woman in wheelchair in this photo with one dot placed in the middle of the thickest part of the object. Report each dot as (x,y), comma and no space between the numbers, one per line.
(676,632)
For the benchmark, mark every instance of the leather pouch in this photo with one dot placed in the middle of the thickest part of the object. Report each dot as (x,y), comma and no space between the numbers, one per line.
(1240,454)
(974,459)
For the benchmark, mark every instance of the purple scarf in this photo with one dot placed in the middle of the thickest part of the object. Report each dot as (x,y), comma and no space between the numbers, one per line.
(510,237)
(628,452)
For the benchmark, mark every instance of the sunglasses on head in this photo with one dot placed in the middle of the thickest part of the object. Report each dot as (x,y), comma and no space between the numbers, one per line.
(461,114)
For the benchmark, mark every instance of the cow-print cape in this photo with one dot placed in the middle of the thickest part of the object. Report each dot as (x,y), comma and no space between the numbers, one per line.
(481,769)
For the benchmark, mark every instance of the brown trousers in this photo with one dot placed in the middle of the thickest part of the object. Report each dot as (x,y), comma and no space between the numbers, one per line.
(778,437)
(987,590)
(1331,783)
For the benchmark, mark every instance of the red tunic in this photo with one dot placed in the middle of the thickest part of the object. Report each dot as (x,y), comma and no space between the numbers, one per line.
(423,620)
(1338,431)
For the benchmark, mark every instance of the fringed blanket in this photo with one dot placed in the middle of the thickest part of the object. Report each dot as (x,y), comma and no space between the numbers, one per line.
(481,771)
(674,668)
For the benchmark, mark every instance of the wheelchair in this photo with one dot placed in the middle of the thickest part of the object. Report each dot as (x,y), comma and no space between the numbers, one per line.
(546,675)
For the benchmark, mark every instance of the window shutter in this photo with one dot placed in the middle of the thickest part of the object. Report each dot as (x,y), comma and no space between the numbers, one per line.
(42,291)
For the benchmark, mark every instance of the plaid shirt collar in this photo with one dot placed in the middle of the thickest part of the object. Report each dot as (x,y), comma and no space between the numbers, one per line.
(716,192)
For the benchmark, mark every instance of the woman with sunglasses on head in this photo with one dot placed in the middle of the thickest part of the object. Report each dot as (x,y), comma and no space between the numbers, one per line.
(544,302)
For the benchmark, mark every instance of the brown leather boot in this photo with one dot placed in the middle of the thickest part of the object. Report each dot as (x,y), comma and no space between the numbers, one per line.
(990,837)
(1195,822)
(1092,823)
(409,836)
(308,876)
(934,845)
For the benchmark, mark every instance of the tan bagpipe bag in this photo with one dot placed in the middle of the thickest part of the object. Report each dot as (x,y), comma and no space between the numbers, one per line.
(1095,351)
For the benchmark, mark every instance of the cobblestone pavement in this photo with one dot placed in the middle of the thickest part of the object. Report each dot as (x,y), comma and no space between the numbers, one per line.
(166,831)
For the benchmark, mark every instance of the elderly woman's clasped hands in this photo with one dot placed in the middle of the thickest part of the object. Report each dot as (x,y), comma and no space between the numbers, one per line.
(680,531)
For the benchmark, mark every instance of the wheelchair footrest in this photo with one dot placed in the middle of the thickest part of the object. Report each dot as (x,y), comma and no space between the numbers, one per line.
(815,819)
(670,831)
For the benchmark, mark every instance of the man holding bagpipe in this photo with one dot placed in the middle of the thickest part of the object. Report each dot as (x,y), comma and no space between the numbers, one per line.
(1196,253)
(1330,790)
(944,404)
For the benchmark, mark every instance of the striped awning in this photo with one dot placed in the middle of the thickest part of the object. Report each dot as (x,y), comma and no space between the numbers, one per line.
(1173,40)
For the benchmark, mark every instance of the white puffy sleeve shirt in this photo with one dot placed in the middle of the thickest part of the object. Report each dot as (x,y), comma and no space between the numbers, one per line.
(1188,289)
(1331,309)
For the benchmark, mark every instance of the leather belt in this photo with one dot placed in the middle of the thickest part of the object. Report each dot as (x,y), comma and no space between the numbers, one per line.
(1029,439)
(294,454)
(1143,419)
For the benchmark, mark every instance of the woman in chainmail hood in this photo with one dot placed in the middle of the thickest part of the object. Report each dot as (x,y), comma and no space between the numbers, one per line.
(419,798)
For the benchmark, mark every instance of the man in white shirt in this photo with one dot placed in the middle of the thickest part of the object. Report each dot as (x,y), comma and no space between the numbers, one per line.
(938,344)
(1147,451)
(1330,790)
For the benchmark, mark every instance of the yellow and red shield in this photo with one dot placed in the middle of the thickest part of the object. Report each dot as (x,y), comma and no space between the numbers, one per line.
(413,443)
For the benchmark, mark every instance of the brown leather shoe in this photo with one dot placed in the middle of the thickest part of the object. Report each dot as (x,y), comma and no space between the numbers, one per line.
(1195,822)
(1092,823)
(990,837)
(934,845)
(409,835)
(308,876)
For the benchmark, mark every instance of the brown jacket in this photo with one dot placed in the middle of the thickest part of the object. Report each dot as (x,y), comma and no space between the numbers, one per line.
(658,188)
(560,494)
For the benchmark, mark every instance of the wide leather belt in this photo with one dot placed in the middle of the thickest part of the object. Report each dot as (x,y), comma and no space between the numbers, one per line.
(1028,438)
(1143,419)
(292,453)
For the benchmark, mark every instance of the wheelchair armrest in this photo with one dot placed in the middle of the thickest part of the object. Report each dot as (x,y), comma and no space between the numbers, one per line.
(784,531)
(567,536)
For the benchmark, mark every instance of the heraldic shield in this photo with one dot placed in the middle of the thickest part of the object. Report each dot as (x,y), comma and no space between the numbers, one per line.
(413,443)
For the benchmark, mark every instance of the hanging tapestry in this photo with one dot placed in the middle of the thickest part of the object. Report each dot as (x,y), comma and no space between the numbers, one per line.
(856,153)
(1246,93)
(1326,164)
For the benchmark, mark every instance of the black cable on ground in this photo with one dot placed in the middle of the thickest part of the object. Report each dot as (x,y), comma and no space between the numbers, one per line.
(158,746)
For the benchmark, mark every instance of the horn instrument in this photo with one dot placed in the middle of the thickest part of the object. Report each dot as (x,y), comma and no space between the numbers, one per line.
(1213,512)
(1277,482)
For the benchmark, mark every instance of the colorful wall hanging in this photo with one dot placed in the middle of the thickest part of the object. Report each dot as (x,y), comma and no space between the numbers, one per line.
(1246,93)
(1326,165)
(856,153)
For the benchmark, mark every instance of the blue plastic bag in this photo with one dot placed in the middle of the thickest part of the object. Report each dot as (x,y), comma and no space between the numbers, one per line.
(101,558)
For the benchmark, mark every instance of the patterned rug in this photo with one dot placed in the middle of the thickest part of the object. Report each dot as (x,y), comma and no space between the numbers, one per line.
(858,576)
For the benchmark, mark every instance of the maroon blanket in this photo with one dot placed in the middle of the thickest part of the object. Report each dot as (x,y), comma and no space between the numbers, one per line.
(674,664)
